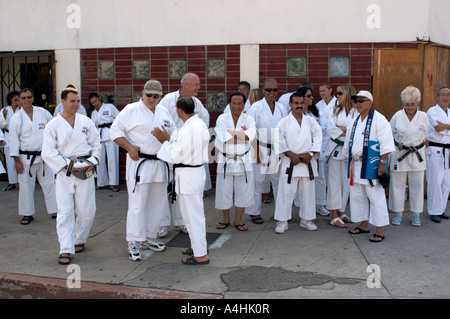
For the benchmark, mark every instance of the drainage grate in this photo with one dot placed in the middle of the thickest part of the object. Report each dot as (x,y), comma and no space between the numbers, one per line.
(182,240)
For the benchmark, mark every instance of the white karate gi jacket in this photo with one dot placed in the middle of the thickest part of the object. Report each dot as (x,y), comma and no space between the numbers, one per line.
(296,138)
(334,132)
(106,114)
(409,133)
(169,101)
(4,122)
(135,123)
(62,141)
(245,124)
(189,148)
(324,112)
(27,135)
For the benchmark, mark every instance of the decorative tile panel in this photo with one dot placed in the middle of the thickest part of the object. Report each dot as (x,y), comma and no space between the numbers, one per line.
(141,69)
(137,96)
(216,68)
(105,70)
(107,97)
(297,66)
(215,101)
(339,66)
(177,68)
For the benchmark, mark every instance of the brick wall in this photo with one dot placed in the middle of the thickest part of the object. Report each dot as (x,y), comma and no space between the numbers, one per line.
(119,74)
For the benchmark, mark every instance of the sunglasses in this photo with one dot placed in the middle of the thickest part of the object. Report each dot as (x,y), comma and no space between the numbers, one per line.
(340,93)
(155,96)
(271,90)
(360,101)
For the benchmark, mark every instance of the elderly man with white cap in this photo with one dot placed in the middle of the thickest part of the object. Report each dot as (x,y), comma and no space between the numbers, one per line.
(368,143)
(146,175)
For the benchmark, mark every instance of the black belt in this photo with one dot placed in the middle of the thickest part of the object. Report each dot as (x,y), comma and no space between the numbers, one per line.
(444,146)
(73,159)
(33,155)
(290,170)
(108,125)
(148,157)
(234,157)
(410,150)
(268,146)
(175,166)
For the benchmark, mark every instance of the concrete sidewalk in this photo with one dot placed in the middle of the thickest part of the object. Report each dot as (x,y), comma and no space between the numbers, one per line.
(412,262)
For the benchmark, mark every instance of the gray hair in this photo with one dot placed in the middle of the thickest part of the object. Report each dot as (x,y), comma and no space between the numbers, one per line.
(187,78)
(410,93)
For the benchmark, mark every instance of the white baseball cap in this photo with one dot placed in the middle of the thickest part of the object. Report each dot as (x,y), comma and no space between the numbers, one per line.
(365,94)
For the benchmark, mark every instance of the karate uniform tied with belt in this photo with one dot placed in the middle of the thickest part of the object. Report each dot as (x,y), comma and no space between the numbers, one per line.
(234,162)
(25,142)
(409,161)
(297,138)
(190,150)
(103,119)
(147,179)
(267,133)
(4,124)
(438,166)
(338,186)
(75,196)
(2,143)
(362,192)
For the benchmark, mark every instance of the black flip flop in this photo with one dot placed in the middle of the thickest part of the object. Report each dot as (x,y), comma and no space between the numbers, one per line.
(26,220)
(192,261)
(360,231)
(222,225)
(240,226)
(257,219)
(373,240)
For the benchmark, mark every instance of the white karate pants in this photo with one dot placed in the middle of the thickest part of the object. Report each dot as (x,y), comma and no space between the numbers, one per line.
(192,210)
(27,185)
(10,167)
(438,180)
(146,207)
(397,191)
(368,203)
(321,183)
(338,185)
(76,210)
(108,170)
(234,184)
(260,180)
(287,193)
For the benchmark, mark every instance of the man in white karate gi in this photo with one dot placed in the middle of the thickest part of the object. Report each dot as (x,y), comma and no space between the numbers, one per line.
(300,141)
(235,133)
(368,143)
(72,148)
(188,153)
(190,85)
(108,170)
(147,176)
(266,113)
(438,166)
(25,141)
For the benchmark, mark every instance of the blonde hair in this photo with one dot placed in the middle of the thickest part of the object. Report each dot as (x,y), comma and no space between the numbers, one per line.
(349,91)
(255,95)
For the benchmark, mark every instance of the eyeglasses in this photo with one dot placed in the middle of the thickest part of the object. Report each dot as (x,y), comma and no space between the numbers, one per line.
(155,96)
(360,101)
(308,95)
(271,90)
(340,93)
(29,97)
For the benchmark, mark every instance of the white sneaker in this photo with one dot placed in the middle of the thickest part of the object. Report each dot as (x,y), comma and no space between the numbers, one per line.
(152,244)
(281,227)
(133,251)
(322,211)
(182,228)
(163,231)
(308,224)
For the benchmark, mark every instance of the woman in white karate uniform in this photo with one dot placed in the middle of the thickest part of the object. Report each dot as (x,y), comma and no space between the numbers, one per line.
(7,112)
(103,116)
(339,119)
(410,128)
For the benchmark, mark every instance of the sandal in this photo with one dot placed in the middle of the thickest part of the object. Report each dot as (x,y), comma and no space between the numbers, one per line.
(9,187)
(359,231)
(337,222)
(376,238)
(222,225)
(345,218)
(267,201)
(188,252)
(192,261)
(101,187)
(64,259)
(80,248)
(257,219)
(26,220)
(114,188)
(241,227)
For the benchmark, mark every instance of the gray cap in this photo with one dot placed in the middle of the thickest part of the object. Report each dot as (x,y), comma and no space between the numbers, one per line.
(153,87)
